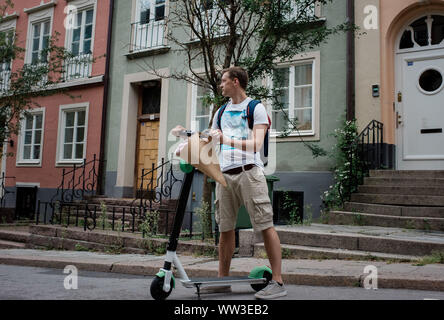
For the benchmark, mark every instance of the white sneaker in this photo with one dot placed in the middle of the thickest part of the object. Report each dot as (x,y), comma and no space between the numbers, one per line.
(272,291)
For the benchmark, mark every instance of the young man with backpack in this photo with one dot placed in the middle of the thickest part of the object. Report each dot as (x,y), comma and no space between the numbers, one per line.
(241,126)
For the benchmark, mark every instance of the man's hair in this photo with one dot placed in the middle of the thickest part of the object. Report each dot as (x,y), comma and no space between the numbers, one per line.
(239,73)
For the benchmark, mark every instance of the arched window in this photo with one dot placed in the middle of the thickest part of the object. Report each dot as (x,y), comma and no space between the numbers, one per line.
(424,32)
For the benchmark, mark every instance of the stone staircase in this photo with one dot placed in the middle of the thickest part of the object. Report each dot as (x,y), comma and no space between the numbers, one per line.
(398,199)
(14,237)
(394,216)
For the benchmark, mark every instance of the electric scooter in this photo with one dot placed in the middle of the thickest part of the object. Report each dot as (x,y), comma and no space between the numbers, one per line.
(164,281)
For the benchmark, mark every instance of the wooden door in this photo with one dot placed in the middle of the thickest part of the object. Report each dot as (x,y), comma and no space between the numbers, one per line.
(147,136)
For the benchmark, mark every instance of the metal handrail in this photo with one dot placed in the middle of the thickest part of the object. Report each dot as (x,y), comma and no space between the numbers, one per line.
(365,154)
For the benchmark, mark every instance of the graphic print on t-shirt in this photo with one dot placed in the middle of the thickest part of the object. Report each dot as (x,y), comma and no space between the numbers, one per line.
(235,126)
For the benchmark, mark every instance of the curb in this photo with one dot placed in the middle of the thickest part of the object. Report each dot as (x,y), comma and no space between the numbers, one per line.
(197,268)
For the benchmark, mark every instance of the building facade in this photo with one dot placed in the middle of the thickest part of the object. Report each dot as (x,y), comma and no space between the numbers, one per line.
(403,53)
(67,129)
(145,106)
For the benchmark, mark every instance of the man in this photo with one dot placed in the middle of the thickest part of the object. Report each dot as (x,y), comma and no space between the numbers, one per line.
(243,170)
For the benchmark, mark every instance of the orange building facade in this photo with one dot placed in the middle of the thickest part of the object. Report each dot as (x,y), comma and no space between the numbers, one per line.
(399,77)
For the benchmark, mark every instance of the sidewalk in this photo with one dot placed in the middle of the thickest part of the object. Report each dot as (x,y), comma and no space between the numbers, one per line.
(337,273)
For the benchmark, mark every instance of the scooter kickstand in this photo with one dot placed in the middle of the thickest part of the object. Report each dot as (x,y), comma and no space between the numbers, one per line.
(198,291)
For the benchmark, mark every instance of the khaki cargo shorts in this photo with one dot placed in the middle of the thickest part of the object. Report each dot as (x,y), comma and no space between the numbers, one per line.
(248,188)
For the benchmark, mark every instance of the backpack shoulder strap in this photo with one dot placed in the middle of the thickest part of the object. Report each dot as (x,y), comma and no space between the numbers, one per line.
(219,115)
(250,112)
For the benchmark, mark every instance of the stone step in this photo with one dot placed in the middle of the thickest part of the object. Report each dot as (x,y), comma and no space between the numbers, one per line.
(128,202)
(362,238)
(399,181)
(389,210)
(314,253)
(57,237)
(363,219)
(407,173)
(402,190)
(392,199)
(14,235)
(11,245)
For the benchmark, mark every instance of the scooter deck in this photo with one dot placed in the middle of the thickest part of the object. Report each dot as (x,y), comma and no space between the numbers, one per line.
(221,281)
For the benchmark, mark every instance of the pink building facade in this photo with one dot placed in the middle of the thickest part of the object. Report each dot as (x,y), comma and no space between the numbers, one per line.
(65,132)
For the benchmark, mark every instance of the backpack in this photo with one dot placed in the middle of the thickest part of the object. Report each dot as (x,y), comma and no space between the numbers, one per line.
(250,117)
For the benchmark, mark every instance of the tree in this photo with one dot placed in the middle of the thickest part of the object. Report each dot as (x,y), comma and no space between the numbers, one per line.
(253,34)
(20,88)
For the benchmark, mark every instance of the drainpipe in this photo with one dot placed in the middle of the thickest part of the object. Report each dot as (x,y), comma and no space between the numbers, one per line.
(100,183)
(350,99)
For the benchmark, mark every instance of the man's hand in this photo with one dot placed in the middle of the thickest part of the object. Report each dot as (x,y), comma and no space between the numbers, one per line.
(176,131)
(217,135)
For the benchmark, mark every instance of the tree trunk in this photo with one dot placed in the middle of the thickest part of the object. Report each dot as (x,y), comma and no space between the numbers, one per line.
(206,196)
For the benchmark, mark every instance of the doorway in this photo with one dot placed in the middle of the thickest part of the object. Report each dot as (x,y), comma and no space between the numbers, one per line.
(25,202)
(420,95)
(148,120)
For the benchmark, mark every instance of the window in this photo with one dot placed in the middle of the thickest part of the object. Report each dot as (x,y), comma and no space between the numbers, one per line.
(148,30)
(6,37)
(31,138)
(40,42)
(200,114)
(213,20)
(294,86)
(426,31)
(80,45)
(82,32)
(303,11)
(151,10)
(73,135)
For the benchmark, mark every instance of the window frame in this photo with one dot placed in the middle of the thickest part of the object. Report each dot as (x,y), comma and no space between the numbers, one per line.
(6,66)
(152,16)
(194,116)
(63,109)
(214,20)
(71,64)
(33,18)
(21,139)
(302,59)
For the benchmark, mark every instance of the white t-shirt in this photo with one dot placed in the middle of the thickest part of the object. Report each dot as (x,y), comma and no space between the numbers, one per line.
(234,124)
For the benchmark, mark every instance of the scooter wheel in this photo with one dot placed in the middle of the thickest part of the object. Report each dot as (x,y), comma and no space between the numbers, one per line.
(259,286)
(156,288)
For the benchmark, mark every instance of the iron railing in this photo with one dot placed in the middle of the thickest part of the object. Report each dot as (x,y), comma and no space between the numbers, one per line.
(152,211)
(79,181)
(116,218)
(5,76)
(3,191)
(364,154)
(147,35)
(77,67)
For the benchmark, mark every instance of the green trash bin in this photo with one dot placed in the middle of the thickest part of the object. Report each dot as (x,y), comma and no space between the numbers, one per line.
(243,219)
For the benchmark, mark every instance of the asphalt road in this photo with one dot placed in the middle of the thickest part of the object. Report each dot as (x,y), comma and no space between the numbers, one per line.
(30,283)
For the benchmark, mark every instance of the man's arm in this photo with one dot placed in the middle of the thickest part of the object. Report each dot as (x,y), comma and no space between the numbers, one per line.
(254,144)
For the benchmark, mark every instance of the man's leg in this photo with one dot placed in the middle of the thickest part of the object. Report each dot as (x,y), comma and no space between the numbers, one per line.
(273,249)
(226,250)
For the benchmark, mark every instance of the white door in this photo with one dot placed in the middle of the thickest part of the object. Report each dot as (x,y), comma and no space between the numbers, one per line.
(421,111)
(420,95)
